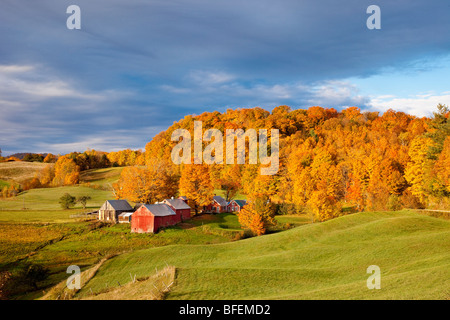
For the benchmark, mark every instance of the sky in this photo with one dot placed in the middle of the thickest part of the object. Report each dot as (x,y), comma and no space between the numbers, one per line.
(137,66)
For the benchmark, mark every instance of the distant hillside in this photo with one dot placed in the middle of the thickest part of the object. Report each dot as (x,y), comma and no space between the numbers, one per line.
(326,260)
(21,155)
(19,171)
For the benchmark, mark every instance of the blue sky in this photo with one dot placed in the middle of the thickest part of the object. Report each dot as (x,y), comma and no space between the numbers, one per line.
(137,66)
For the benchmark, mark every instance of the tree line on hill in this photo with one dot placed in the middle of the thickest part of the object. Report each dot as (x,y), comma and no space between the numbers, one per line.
(330,162)
(89,159)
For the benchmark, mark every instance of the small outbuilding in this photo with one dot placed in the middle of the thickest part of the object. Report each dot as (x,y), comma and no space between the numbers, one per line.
(111,209)
(149,218)
(125,217)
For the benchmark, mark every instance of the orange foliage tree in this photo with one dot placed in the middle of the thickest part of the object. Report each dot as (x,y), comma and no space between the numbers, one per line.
(258,214)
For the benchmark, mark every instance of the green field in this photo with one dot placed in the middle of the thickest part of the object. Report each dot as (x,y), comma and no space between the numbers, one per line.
(214,258)
(48,198)
(101,177)
(315,261)
(54,239)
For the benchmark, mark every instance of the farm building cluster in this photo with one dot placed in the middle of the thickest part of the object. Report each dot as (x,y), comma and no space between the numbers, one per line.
(149,218)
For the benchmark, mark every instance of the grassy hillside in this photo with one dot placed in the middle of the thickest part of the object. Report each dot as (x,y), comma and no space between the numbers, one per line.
(315,261)
(19,171)
(55,240)
(48,198)
(101,177)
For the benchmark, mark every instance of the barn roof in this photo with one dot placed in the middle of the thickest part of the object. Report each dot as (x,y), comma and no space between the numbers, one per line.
(137,205)
(183,198)
(160,209)
(178,204)
(221,201)
(121,205)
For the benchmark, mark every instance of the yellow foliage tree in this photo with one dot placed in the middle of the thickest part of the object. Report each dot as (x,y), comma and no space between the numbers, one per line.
(323,206)
(146,185)
(442,170)
(418,167)
(46,175)
(196,185)
(66,172)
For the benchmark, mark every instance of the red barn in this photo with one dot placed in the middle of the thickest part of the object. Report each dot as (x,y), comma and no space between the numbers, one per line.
(184,198)
(180,207)
(207,209)
(149,218)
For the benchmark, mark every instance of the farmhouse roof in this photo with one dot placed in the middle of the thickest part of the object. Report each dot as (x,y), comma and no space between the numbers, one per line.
(240,203)
(119,205)
(178,204)
(221,201)
(160,209)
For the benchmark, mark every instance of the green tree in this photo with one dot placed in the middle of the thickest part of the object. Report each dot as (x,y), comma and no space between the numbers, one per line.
(439,131)
(67,201)
(33,157)
(83,200)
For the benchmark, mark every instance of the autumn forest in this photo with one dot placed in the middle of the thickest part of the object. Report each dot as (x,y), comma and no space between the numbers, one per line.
(331,163)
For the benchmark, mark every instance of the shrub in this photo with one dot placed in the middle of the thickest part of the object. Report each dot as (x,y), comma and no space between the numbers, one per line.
(394,203)
(33,183)
(31,274)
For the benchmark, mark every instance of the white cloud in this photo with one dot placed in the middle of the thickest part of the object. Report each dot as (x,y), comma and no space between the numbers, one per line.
(32,87)
(336,93)
(174,89)
(15,68)
(234,92)
(419,105)
(116,140)
(210,78)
